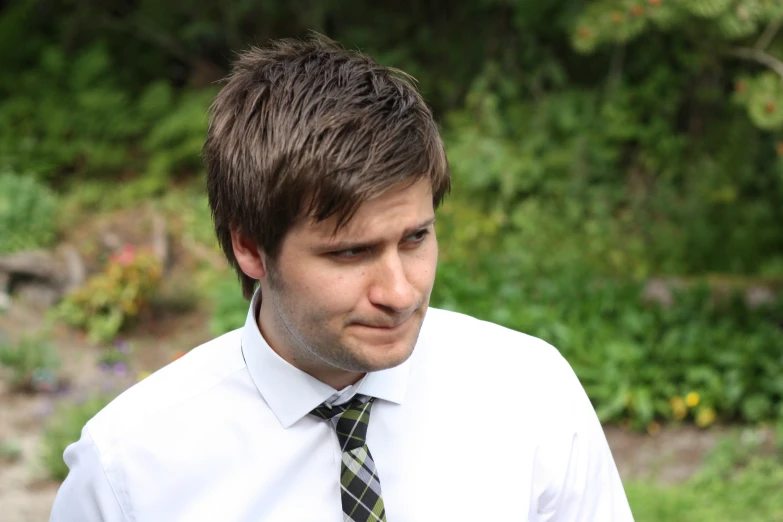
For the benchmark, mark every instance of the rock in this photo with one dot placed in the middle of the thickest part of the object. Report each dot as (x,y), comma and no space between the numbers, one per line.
(755,292)
(661,291)
(757,296)
(5,296)
(112,241)
(40,278)
(74,265)
(38,295)
(33,263)
(160,240)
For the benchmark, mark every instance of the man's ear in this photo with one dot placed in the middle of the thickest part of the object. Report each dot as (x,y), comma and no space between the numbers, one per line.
(250,258)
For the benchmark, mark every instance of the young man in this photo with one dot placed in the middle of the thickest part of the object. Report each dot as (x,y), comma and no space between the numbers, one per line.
(343,397)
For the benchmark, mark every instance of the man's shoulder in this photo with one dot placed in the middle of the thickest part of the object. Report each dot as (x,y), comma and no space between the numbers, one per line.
(467,330)
(459,355)
(192,375)
(460,336)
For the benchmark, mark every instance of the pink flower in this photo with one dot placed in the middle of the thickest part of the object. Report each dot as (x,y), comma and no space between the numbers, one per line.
(126,255)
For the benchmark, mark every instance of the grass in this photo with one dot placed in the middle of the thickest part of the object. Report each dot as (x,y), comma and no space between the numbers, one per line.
(740,482)
(754,495)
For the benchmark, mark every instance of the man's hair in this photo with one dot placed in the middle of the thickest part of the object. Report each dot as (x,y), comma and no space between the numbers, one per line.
(308,129)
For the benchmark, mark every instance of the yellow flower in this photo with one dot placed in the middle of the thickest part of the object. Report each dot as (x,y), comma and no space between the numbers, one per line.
(679,411)
(705,417)
(653,428)
(692,399)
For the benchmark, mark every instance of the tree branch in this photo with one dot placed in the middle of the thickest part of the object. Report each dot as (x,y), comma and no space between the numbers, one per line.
(768,35)
(616,67)
(758,56)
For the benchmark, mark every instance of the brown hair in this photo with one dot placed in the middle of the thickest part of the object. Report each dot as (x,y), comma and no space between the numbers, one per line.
(310,129)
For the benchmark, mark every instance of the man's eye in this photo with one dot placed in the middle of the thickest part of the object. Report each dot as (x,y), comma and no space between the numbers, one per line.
(348,253)
(418,236)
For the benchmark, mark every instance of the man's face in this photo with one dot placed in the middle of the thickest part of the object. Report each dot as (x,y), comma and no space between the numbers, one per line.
(338,306)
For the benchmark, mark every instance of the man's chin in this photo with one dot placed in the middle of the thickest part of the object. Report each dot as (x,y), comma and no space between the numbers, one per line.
(377,349)
(384,358)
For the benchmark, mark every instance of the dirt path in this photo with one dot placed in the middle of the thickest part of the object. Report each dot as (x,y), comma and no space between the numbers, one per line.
(25,496)
(671,456)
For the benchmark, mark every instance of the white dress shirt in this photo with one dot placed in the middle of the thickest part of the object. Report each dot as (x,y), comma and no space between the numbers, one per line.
(481,424)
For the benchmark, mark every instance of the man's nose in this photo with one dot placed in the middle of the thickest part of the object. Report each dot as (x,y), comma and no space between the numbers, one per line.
(391,288)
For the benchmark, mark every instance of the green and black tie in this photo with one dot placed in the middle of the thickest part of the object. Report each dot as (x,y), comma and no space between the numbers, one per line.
(359,483)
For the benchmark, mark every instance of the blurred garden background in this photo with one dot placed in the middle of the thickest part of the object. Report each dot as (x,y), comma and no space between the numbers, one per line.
(618,191)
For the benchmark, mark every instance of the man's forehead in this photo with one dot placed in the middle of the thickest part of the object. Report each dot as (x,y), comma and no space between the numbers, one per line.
(359,226)
(404,207)
(329,229)
(362,228)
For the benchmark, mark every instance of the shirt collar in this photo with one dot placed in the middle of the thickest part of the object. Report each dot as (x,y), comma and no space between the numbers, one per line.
(291,393)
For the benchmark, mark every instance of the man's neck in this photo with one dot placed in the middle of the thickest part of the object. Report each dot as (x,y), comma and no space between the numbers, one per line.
(334,377)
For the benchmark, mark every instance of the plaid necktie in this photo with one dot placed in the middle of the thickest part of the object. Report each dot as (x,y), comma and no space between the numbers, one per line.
(359,482)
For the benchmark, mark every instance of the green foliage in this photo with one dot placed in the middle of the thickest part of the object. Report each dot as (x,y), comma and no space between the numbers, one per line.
(716,23)
(229,307)
(652,356)
(508,146)
(644,194)
(762,95)
(640,142)
(71,118)
(108,301)
(32,363)
(67,116)
(189,208)
(64,427)
(27,213)
(739,449)
(619,21)
(175,139)
(115,356)
(751,496)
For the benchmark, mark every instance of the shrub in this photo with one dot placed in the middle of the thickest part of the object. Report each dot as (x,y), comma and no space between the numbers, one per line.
(175,140)
(116,357)
(32,364)
(109,300)
(68,115)
(27,213)
(717,23)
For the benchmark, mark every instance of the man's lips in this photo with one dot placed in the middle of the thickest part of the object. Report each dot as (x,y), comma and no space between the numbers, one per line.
(385,326)
(382,327)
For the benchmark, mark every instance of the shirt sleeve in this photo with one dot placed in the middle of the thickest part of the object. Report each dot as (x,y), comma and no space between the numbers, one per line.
(86,495)
(580,481)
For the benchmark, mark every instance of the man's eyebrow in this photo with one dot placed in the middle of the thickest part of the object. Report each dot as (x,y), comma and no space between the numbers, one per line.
(358,244)
(421,226)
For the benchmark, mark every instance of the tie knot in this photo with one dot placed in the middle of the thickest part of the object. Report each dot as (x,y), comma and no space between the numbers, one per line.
(349,420)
